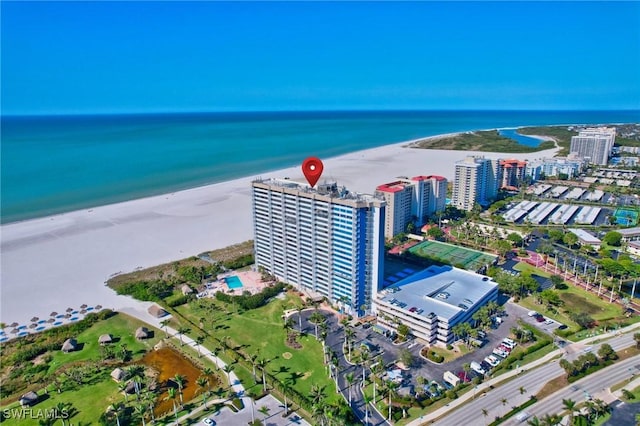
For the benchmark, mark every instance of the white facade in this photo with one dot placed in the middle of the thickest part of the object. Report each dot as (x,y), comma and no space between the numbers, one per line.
(594,144)
(418,197)
(326,240)
(476,181)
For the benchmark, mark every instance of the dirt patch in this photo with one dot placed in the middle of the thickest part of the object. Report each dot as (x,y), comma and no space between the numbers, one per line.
(292,340)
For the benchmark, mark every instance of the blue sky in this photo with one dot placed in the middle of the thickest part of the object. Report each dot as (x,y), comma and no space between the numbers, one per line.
(92,57)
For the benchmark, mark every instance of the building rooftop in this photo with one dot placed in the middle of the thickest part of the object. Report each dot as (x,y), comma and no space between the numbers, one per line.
(396,186)
(444,291)
(436,177)
(585,236)
(629,232)
(327,191)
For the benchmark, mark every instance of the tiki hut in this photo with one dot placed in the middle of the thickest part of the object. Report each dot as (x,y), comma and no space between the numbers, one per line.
(157,311)
(105,339)
(28,399)
(142,333)
(69,345)
(118,374)
(186,290)
(130,388)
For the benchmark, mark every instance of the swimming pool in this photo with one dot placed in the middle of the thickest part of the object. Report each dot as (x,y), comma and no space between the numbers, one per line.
(233,282)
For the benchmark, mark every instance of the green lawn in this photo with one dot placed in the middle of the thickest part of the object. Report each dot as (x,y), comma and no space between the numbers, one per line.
(89,401)
(525,267)
(122,329)
(260,331)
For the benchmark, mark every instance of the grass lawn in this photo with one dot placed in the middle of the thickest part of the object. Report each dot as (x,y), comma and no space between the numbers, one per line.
(260,331)
(121,327)
(89,401)
(450,355)
(525,267)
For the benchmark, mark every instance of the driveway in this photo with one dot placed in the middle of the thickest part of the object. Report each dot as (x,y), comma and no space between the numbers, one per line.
(274,410)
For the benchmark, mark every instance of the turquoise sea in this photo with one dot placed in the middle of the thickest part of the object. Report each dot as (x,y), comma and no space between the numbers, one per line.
(54,164)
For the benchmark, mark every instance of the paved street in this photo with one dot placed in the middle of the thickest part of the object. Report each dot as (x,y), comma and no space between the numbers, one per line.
(273,417)
(531,380)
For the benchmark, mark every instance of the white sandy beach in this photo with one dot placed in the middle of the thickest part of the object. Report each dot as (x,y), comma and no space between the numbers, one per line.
(61,261)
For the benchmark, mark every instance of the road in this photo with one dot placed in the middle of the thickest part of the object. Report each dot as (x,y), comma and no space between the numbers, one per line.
(595,385)
(530,381)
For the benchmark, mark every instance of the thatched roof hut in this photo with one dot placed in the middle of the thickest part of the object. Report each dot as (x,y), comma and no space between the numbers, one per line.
(105,339)
(142,333)
(28,399)
(185,289)
(118,374)
(70,345)
(157,311)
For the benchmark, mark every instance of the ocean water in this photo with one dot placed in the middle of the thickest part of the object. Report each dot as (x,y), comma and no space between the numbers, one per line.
(55,164)
(521,139)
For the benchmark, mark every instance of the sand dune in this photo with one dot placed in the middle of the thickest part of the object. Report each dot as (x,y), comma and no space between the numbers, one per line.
(64,260)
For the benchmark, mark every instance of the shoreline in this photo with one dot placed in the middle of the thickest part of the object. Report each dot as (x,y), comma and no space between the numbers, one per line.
(65,259)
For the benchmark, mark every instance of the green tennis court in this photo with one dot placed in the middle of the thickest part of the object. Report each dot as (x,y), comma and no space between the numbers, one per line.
(626,217)
(458,256)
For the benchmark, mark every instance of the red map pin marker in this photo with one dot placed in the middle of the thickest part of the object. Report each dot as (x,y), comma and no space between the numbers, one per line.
(312,168)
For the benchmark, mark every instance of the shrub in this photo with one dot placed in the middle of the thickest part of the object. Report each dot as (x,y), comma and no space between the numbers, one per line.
(177,300)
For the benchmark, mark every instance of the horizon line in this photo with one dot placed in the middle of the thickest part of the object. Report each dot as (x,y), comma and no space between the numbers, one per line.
(285,111)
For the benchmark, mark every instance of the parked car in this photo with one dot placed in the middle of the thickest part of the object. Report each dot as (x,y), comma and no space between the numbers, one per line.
(549,321)
(532,313)
(485,365)
(465,377)
(540,318)
(492,360)
(475,366)
(505,348)
(500,353)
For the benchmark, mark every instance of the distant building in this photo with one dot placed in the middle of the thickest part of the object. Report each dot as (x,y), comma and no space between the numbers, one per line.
(70,345)
(476,182)
(511,173)
(411,199)
(630,234)
(28,399)
(571,166)
(326,241)
(431,302)
(594,144)
(157,311)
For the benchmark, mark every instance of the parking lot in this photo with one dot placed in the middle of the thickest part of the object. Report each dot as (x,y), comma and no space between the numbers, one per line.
(273,417)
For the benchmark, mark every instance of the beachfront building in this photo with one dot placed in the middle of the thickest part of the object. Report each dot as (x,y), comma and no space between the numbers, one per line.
(594,144)
(326,241)
(411,200)
(433,301)
(571,166)
(511,173)
(476,181)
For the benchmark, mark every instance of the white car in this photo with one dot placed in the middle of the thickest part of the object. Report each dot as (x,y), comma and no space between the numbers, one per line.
(492,361)
(207,421)
(509,344)
(500,353)
(532,313)
(549,321)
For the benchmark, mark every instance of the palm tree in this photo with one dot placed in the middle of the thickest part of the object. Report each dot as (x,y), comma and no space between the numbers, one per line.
(164,324)
(350,378)
(316,318)
(299,309)
(199,341)
(285,389)
(182,331)
(202,383)
(364,358)
(122,386)
(265,411)
(180,380)
(252,359)
(535,421)
(171,395)
(485,413)
(522,390)
(115,409)
(61,408)
(569,405)
(466,368)
(391,390)
(348,335)
(262,363)
(228,368)
(504,401)
(367,401)
(140,410)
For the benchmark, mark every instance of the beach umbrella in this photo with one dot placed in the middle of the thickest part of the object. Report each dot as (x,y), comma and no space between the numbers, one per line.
(34,319)
(15,331)
(13,324)
(98,307)
(69,309)
(53,314)
(51,320)
(33,325)
(67,316)
(84,311)
(83,306)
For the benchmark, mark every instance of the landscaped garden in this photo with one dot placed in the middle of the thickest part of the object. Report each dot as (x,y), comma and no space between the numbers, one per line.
(120,380)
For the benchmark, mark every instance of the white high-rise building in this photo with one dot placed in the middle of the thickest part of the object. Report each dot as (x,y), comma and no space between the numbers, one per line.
(476,181)
(408,199)
(326,241)
(594,144)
